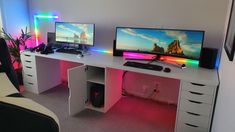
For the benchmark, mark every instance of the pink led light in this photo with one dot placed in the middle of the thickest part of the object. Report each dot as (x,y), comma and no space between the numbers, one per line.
(164,58)
(138,55)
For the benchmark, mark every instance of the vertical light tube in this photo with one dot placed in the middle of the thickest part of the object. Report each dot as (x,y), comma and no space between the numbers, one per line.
(36,24)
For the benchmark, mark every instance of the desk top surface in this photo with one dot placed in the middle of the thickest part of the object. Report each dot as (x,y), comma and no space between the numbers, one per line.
(190,74)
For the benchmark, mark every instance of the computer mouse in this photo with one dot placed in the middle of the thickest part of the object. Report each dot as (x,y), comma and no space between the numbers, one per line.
(183,66)
(80,55)
(167,69)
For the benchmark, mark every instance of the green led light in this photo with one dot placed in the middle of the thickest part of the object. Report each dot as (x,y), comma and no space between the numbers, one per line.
(43,16)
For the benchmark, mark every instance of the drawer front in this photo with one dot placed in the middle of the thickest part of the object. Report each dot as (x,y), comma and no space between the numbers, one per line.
(30,84)
(200,97)
(30,78)
(186,127)
(28,63)
(195,107)
(26,56)
(32,87)
(193,119)
(199,88)
(29,70)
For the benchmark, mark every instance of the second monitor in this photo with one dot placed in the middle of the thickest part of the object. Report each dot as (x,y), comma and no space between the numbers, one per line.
(78,34)
(168,42)
(75,33)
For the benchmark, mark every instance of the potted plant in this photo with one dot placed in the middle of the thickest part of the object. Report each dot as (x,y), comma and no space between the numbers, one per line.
(15,45)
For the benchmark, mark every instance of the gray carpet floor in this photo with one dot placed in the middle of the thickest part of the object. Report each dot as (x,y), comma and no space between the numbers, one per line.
(130,114)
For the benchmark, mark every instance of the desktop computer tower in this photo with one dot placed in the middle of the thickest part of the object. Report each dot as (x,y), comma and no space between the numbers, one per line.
(97,95)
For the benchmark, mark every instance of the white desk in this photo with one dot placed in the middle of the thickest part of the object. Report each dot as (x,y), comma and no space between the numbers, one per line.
(196,95)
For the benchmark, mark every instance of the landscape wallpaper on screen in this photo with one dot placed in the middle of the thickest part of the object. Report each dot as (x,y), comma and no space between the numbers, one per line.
(177,42)
(75,33)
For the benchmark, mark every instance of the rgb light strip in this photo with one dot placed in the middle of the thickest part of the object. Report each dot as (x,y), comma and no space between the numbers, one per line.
(166,58)
(102,51)
(36,25)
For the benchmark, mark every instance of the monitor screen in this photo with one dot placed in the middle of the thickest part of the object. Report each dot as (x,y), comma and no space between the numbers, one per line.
(76,33)
(173,42)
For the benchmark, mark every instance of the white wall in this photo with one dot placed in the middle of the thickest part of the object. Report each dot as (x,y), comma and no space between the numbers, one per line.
(208,15)
(0,17)
(224,117)
(14,15)
(225,107)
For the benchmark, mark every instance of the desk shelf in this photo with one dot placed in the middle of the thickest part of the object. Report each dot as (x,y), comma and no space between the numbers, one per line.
(98,78)
(91,107)
(95,74)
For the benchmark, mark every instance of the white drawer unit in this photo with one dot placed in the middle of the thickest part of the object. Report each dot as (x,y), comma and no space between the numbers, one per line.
(29,72)
(35,72)
(195,107)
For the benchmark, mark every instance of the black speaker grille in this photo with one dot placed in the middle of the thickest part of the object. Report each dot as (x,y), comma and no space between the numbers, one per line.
(208,58)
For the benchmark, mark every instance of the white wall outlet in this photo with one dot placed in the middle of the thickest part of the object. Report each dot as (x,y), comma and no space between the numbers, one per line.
(156,85)
(145,88)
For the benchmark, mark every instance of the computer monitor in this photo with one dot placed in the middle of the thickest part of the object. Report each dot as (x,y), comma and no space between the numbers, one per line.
(169,42)
(75,33)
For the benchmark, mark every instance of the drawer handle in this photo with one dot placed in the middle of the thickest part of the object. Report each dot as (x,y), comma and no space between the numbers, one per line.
(196,93)
(191,125)
(193,113)
(30,83)
(27,55)
(29,67)
(198,84)
(28,61)
(192,101)
(29,75)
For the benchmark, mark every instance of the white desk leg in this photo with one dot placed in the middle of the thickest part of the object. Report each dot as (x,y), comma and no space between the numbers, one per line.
(48,73)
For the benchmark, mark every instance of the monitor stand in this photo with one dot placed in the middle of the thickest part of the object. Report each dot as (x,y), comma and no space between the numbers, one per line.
(157,58)
(83,48)
(80,49)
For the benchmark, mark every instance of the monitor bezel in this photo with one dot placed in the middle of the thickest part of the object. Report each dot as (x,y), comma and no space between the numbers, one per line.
(158,53)
(77,43)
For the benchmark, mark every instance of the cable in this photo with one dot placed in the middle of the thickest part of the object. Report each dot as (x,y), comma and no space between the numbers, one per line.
(154,58)
(124,93)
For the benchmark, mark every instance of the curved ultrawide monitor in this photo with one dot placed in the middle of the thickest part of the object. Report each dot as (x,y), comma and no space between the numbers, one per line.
(170,42)
(75,33)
